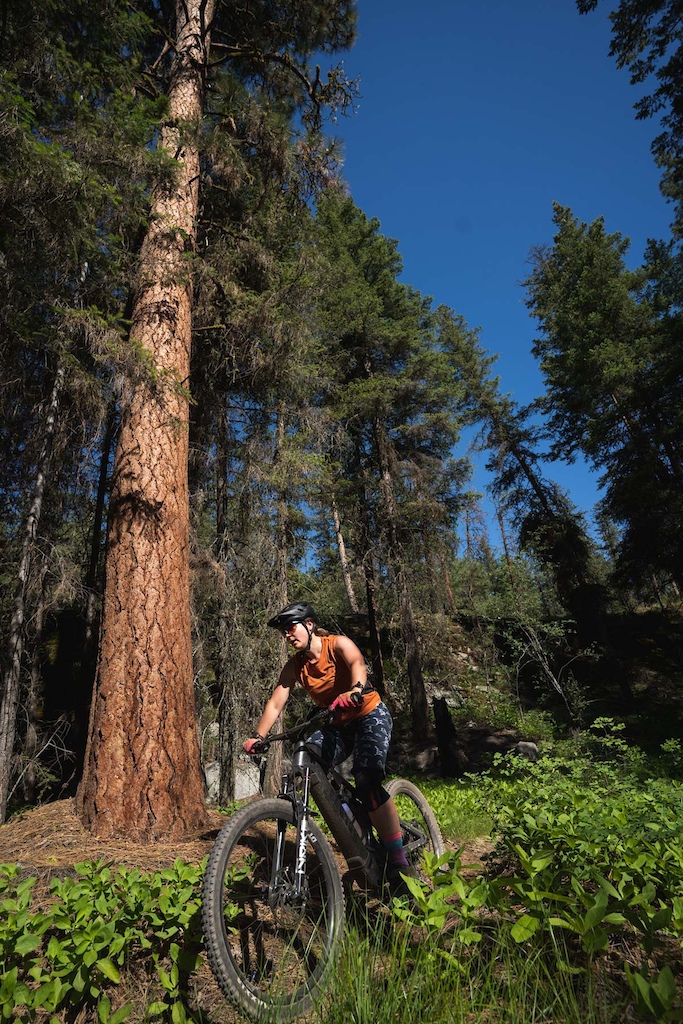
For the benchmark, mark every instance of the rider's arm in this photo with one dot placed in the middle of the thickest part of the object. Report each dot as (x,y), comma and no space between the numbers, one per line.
(345,648)
(279,698)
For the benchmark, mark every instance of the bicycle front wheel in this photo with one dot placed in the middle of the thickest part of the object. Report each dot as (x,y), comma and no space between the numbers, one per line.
(270,949)
(419,827)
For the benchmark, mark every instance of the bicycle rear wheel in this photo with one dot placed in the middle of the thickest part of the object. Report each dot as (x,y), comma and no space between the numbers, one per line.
(419,827)
(269,950)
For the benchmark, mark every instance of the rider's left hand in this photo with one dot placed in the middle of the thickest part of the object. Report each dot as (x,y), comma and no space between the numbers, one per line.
(350,699)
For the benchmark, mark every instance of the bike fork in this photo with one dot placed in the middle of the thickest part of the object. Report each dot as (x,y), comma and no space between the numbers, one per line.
(278,883)
(302,834)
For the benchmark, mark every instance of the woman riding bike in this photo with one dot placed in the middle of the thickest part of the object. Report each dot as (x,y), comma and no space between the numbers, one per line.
(332,671)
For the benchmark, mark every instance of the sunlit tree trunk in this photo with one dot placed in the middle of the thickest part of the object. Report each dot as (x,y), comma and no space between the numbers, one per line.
(343,558)
(142,772)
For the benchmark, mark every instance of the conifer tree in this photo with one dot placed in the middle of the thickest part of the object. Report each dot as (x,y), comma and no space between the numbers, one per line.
(605,353)
(394,393)
(547,522)
(647,38)
(70,193)
(142,767)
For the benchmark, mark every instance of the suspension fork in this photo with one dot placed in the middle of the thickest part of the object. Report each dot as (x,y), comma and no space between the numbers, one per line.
(302,833)
(300,768)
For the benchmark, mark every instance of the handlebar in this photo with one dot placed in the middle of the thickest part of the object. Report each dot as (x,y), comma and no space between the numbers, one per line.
(322,717)
(308,725)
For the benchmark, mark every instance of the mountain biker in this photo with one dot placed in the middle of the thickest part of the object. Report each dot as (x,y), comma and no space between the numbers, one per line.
(332,670)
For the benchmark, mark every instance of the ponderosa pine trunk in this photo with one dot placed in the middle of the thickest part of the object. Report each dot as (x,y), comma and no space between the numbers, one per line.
(142,774)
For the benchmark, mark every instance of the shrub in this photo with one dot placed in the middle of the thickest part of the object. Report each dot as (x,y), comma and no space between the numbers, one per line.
(69,956)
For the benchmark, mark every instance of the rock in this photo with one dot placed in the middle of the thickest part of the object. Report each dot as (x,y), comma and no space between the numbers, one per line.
(212,779)
(246,780)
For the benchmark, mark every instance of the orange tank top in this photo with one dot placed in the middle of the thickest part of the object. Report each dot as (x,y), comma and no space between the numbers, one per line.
(329,676)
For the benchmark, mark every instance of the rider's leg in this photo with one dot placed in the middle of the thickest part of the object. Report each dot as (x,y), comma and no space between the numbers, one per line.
(371,746)
(332,745)
(385,821)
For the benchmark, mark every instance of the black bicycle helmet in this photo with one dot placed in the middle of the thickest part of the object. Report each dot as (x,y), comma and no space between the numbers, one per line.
(293,613)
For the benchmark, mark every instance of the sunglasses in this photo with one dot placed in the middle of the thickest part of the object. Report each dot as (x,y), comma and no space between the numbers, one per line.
(286,630)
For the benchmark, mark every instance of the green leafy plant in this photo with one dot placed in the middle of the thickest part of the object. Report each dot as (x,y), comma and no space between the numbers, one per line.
(71,954)
(432,907)
(583,849)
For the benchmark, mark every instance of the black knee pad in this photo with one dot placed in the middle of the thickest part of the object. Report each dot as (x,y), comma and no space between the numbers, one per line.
(371,793)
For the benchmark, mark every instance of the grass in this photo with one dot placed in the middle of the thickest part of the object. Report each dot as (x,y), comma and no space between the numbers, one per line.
(459,808)
(389,976)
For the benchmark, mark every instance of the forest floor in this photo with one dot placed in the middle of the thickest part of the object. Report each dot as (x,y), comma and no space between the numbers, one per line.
(49,841)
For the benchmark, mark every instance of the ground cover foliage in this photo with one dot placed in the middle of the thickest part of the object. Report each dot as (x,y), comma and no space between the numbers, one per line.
(69,956)
(587,870)
(573,913)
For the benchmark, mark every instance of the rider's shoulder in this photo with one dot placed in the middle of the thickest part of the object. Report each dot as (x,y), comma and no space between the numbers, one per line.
(290,671)
(343,644)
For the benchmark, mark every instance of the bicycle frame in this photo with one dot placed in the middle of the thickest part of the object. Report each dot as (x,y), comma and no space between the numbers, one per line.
(273,903)
(363,854)
(277,888)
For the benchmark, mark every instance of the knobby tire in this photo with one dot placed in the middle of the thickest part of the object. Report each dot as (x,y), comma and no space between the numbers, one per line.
(414,810)
(270,958)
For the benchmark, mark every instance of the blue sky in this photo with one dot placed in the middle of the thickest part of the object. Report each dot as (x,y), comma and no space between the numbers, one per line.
(473,118)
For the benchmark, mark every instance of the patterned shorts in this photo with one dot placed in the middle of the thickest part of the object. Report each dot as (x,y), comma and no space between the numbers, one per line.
(367,739)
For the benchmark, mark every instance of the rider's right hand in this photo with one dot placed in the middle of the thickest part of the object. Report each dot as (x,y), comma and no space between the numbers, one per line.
(251,745)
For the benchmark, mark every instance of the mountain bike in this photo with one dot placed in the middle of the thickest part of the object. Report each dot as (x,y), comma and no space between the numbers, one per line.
(273,905)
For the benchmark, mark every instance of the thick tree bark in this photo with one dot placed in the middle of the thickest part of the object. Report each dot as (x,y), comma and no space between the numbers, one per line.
(142,773)
(12,680)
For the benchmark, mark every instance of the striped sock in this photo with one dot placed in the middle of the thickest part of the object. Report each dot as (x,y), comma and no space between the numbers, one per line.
(395,852)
